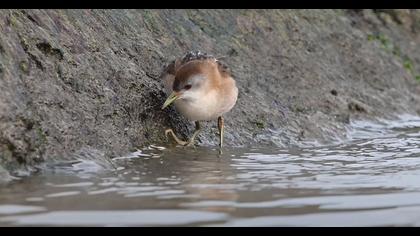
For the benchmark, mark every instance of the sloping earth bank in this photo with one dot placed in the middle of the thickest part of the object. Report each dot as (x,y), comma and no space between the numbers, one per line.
(87,81)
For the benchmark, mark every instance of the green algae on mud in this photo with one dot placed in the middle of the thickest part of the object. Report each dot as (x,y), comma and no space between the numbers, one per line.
(386,44)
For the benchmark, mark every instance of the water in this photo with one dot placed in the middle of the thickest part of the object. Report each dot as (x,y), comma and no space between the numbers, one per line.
(371,180)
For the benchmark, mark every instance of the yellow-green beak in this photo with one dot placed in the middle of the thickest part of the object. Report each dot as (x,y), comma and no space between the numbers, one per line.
(174,96)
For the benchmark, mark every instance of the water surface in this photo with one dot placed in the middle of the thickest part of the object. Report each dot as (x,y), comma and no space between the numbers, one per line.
(371,180)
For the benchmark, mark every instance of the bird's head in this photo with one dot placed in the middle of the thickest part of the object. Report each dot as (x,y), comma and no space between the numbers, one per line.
(192,81)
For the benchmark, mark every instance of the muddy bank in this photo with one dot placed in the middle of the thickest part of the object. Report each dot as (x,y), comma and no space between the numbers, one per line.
(73,81)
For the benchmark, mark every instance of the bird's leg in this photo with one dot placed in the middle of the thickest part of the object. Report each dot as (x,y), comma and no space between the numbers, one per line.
(220,125)
(180,142)
(197,130)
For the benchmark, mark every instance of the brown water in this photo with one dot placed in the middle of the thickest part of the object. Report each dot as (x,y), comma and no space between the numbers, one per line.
(372,180)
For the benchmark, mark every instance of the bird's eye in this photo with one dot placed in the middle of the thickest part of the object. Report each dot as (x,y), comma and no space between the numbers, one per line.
(188,86)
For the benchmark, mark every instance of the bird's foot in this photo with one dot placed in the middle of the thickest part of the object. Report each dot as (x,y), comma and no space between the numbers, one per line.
(180,142)
(190,143)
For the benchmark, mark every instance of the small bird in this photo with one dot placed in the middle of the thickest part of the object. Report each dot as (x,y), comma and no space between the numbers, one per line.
(201,88)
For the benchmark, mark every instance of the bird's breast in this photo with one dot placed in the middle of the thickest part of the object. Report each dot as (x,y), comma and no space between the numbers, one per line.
(202,109)
(208,107)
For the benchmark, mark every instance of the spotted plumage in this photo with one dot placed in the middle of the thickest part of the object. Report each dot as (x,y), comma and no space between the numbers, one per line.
(190,56)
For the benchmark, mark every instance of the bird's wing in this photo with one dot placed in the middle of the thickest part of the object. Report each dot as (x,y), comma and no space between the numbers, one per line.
(168,75)
(223,69)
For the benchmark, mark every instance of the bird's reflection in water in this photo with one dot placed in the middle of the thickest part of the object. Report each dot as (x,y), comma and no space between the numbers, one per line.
(203,172)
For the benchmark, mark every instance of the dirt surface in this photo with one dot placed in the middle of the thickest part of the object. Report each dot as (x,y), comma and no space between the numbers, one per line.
(86,82)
